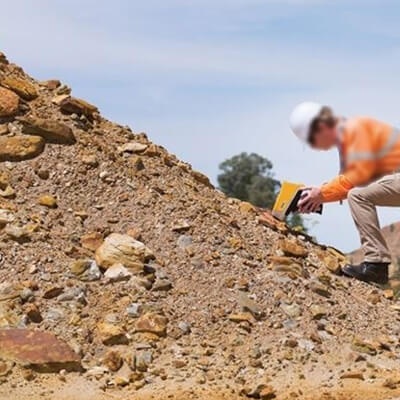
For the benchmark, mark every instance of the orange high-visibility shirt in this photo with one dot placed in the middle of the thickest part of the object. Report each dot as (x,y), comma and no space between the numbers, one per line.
(369,149)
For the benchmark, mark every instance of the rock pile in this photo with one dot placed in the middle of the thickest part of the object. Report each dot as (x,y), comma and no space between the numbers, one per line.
(123,265)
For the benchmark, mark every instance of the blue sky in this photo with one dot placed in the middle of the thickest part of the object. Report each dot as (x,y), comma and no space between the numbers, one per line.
(209,79)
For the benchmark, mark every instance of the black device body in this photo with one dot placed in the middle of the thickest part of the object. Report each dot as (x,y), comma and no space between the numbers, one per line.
(293,205)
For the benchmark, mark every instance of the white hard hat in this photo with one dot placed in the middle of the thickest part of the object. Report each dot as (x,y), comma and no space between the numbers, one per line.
(302,117)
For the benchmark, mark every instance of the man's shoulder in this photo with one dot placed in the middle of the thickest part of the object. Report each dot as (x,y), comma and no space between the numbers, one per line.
(365,124)
(359,121)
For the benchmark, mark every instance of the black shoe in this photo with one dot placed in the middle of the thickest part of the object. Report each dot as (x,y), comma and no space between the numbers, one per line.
(368,272)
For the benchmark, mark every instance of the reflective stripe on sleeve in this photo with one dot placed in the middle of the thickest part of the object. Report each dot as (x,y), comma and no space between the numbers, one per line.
(370,155)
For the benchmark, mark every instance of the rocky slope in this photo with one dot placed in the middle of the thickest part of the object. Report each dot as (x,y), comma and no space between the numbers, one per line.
(125,274)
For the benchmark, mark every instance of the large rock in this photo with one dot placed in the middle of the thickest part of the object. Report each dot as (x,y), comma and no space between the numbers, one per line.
(23,88)
(70,105)
(39,350)
(9,102)
(51,131)
(123,249)
(18,148)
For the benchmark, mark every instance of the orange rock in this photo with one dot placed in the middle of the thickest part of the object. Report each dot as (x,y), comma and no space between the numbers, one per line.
(153,323)
(18,148)
(48,201)
(50,130)
(291,248)
(388,293)
(111,334)
(246,207)
(40,350)
(72,105)
(9,102)
(23,88)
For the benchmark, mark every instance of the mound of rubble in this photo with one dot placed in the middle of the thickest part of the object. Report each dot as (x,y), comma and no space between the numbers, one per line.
(123,267)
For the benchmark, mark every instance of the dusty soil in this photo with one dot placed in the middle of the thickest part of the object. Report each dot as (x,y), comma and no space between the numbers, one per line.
(161,286)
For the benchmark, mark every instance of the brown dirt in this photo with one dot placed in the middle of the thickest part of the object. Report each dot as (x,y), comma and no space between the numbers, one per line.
(227,299)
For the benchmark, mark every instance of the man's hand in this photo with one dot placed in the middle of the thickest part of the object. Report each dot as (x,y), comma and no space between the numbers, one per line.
(311,201)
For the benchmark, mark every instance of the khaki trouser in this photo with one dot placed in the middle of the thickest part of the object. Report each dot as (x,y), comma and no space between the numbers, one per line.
(363,201)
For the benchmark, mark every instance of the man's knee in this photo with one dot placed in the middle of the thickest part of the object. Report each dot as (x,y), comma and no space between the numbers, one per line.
(355,195)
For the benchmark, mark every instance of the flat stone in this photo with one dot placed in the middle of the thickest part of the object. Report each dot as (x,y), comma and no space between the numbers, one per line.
(132,147)
(23,88)
(50,130)
(19,148)
(52,291)
(353,375)
(181,226)
(243,317)
(123,249)
(9,103)
(39,350)
(72,105)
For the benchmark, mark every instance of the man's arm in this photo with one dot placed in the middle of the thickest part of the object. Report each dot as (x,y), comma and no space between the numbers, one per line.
(358,172)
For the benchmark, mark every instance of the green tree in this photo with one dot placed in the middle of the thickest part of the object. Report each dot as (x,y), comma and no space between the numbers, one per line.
(249,177)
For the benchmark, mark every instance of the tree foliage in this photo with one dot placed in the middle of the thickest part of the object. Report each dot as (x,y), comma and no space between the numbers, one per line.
(249,177)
